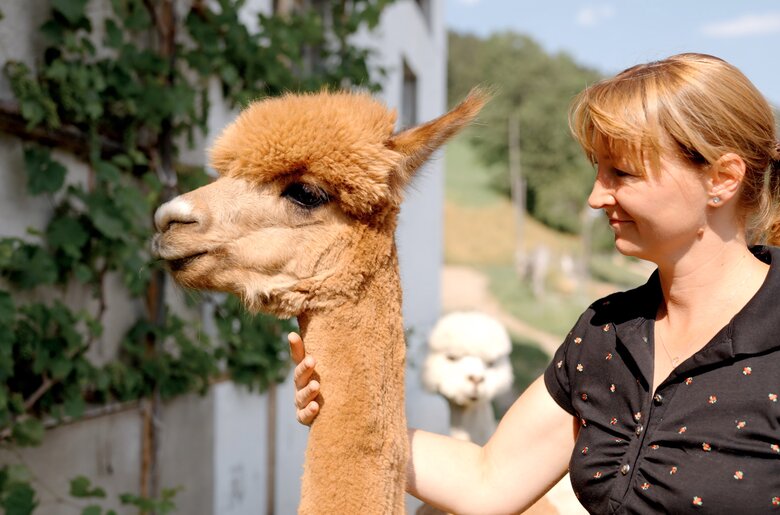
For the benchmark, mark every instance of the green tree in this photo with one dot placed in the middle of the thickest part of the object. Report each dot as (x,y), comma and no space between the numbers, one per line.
(537,87)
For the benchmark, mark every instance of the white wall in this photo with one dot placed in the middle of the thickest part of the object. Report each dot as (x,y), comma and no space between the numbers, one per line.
(214,446)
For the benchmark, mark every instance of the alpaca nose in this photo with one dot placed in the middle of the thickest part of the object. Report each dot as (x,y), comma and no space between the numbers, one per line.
(476,379)
(176,211)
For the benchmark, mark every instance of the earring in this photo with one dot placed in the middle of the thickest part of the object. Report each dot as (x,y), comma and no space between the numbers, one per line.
(716,200)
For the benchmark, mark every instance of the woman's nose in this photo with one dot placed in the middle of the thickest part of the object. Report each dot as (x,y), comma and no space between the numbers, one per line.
(601,195)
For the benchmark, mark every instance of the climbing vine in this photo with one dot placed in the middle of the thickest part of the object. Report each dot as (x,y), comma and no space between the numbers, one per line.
(125,90)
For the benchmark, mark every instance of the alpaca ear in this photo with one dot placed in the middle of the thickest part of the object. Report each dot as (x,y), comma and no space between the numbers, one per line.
(418,143)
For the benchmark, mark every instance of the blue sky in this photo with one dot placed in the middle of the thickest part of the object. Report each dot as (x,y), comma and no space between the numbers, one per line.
(612,35)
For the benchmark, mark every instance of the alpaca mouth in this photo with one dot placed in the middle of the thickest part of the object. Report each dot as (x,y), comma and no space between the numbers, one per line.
(179,264)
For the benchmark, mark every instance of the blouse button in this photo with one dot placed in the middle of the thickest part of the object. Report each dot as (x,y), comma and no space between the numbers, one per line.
(658,399)
(639,429)
(625,468)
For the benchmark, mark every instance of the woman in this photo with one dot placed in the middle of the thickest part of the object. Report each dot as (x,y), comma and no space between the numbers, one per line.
(662,399)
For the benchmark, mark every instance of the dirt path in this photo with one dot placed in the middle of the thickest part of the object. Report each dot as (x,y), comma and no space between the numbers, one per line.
(464,288)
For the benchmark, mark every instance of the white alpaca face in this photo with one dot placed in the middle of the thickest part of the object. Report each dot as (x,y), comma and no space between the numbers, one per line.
(468,359)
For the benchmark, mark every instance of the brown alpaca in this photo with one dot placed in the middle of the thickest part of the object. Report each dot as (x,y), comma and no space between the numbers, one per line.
(301,223)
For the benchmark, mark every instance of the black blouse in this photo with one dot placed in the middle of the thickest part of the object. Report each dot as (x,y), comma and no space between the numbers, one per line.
(708,441)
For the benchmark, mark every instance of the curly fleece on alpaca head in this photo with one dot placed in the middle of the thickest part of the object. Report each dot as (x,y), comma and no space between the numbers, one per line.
(339,139)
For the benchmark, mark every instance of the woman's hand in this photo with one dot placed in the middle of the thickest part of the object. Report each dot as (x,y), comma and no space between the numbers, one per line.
(307,388)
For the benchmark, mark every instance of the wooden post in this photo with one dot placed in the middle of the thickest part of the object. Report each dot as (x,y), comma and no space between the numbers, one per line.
(163,14)
(517,188)
(271,448)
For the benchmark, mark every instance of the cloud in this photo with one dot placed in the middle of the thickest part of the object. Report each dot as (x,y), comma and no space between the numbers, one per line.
(747,25)
(593,14)
(469,2)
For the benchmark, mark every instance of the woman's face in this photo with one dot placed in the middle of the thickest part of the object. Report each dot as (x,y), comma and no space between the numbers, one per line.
(655,216)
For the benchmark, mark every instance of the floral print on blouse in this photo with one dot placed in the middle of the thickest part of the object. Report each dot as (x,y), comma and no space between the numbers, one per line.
(707,441)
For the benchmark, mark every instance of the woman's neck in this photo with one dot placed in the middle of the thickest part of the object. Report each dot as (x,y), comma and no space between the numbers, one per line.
(699,299)
(718,279)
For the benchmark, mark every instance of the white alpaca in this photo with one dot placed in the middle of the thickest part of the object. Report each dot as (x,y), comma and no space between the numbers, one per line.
(468,364)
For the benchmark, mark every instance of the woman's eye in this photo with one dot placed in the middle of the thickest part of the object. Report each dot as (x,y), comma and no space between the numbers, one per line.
(305,195)
(621,173)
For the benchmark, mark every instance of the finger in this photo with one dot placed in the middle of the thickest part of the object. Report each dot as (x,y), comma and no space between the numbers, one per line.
(307,415)
(305,395)
(297,350)
(303,372)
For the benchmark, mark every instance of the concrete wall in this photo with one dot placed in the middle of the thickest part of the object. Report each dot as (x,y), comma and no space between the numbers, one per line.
(214,447)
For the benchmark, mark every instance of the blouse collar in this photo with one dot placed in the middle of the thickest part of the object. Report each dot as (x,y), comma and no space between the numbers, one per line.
(753,330)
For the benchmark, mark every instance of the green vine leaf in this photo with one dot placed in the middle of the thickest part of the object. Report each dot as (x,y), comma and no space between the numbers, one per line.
(72,10)
(36,105)
(109,172)
(27,265)
(114,36)
(19,499)
(92,509)
(74,406)
(6,309)
(105,216)
(81,487)
(28,432)
(67,234)
(44,175)
(161,506)
(16,403)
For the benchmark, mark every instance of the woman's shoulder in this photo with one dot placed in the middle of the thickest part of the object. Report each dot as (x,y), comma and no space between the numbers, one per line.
(623,306)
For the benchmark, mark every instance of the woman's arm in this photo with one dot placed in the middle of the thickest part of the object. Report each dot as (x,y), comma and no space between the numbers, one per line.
(527,455)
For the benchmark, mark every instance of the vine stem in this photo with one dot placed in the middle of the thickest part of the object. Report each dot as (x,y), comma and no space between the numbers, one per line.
(164,21)
(66,137)
(45,386)
(40,392)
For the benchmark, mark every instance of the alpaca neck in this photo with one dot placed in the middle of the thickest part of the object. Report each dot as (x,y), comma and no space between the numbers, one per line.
(475,423)
(356,455)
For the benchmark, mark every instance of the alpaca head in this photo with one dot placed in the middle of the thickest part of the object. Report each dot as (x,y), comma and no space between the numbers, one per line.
(309,186)
(468,358)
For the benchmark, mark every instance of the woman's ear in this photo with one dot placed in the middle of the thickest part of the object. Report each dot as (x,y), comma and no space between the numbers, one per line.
(725,177)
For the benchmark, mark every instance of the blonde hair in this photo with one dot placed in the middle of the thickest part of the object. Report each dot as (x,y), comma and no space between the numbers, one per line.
(698,107)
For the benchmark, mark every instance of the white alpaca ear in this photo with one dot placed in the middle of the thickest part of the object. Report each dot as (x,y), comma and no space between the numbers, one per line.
(415,145)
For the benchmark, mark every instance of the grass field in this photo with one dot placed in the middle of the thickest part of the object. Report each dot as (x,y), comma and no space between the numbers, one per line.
(467,180)
(480,224)
(554,312)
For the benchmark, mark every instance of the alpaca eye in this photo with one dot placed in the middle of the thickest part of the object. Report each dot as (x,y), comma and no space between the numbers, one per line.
(305,195)
(490,364)
(452,357)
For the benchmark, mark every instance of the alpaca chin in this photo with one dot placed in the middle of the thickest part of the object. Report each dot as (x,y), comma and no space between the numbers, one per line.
(287,300)
(281,304)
